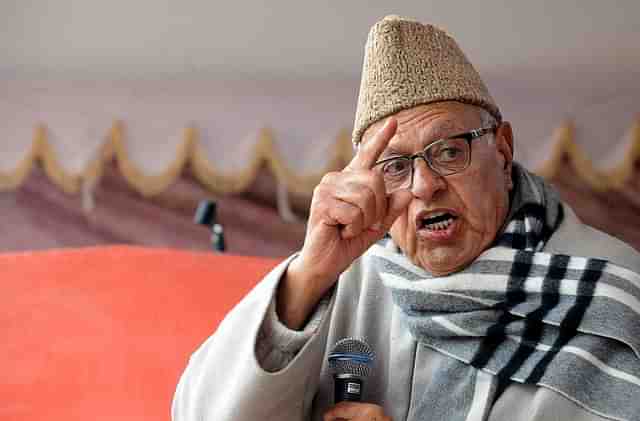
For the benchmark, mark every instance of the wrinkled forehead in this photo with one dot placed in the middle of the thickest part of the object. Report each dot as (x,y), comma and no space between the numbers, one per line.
(431,121)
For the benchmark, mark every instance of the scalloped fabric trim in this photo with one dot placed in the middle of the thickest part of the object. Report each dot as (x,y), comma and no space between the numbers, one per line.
(190,152)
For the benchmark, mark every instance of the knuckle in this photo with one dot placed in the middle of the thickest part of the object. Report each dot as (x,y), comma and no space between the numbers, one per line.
(342,212)
(317,192)
(371,410)
(378,180)
(355,214)
(325,184)
(329,177)
(367,194)
(375,181)
(319,198)
(320,206)
(369,179)
(325,189)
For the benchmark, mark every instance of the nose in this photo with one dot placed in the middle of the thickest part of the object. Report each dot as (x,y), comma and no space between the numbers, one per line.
(426,182)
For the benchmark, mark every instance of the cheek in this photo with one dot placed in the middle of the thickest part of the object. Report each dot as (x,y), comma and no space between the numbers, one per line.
(483,199)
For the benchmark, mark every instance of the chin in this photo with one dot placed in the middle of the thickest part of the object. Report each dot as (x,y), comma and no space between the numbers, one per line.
(441,262)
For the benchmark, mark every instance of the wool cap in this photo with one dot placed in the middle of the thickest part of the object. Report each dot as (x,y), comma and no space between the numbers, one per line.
(407,63)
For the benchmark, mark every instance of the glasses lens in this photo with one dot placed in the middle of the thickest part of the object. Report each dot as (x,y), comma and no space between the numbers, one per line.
(449,156)
(396,173)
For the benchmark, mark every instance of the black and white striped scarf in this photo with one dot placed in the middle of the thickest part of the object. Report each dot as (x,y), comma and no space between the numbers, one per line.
(567,323)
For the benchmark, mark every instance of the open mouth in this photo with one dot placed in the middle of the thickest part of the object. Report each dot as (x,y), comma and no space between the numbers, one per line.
(437,221)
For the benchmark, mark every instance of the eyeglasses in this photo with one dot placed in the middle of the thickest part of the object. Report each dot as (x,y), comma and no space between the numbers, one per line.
(444,156)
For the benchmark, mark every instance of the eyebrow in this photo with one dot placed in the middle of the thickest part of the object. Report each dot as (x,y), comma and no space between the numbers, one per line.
(394,151)
(390,153)
(446,130)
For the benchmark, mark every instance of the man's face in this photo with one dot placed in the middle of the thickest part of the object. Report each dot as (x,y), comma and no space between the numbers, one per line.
(471,205)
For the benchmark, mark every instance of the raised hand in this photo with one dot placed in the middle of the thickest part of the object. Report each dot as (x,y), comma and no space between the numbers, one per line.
(350,211)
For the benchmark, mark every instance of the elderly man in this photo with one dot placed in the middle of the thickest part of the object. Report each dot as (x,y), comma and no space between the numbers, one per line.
(490,301)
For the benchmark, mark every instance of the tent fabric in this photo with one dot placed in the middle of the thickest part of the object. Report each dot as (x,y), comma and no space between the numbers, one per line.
(225,133)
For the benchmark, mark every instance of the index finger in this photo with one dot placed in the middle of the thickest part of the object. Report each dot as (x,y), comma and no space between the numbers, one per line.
(369,152)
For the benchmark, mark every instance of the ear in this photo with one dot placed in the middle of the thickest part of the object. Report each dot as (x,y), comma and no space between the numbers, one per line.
(504,147)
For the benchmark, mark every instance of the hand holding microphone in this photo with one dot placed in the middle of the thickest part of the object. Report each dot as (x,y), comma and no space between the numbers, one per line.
(350,362)
(356,411)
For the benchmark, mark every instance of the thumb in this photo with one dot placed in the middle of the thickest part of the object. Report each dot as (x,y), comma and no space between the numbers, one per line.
(398,202)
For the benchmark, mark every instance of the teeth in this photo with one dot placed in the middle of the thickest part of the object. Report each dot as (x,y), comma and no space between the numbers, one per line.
(439,225)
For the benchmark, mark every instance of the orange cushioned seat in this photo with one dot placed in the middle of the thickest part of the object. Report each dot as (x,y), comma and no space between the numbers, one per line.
(104,333)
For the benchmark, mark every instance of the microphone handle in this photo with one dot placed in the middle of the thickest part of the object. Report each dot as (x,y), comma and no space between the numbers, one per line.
(347,388)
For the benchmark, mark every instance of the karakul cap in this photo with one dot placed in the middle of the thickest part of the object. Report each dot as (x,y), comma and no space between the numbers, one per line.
(407,64)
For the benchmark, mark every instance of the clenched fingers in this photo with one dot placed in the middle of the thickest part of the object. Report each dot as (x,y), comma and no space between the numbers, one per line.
(356,411)
(363,190)
(347,215)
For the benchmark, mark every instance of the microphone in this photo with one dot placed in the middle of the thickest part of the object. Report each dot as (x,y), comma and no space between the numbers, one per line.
(206,215)
(350,362)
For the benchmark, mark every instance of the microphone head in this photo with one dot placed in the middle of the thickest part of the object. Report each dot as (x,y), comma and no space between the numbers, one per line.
(351,357)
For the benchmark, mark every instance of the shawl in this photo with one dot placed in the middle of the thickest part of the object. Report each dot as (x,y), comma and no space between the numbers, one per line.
(567,323)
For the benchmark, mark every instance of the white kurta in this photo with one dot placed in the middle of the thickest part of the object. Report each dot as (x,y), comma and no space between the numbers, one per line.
(225,381)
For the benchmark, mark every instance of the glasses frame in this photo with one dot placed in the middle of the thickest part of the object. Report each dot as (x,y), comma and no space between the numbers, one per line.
(468,136)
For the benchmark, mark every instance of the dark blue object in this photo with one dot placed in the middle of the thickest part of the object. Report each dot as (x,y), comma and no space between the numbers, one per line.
(206,215)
